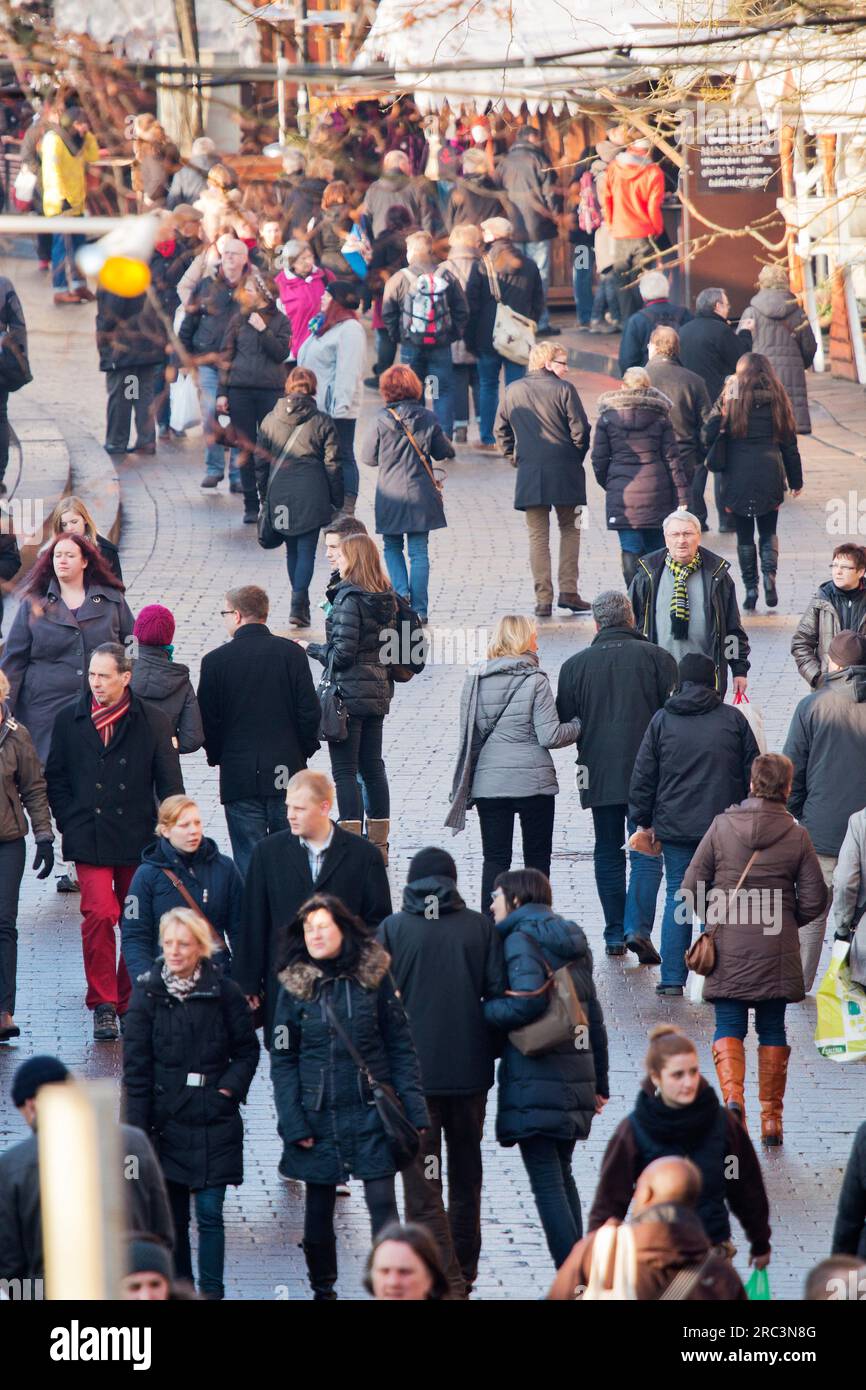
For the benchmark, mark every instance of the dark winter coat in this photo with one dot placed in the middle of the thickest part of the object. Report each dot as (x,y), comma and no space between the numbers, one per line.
(636,459)
(756,465)
(831,610)
(710,1136)
(257,358)
(278,881)
(552,1095)
(416,194)
(48,651)
(104,799)
(612,689)
(10,563)
(259,710)
(406,496)
(695,760)
(166,273)
(22,784)
(720,599)
(530,183)
(446,960)
(638,329)
(210,310)
(318,1090)
(849,1232)
(191,181)
(542,426)
(398,292)
(690,406)
(353,647)
(827,745)
(710,348)
(783,333)
(520,288)
(129,332)
(757,935)
(301,198)
(328,239)
(472,200)
(109,552)
(209,877)
(166,684)
(147,1211)
(198,1133)
(307,487)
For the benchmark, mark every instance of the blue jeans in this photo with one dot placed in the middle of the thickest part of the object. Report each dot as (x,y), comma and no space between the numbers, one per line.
(65,275)
(582,283)
(629,913)
(677,920)
(412,584)
(214,454)
(435,363)
(548,1164)
(301,559)
(490,365)
(539,251)
(643,541)
(732,1020)
(251,820)
(211,1236)
(606,299)
(346,440)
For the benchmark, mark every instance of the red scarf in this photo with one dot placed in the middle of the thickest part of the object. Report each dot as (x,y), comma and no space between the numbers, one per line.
(106,716)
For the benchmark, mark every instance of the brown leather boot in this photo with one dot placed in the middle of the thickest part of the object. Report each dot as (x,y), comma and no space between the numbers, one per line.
(772,1075)
(353,826)
(729,1055)
(377,834)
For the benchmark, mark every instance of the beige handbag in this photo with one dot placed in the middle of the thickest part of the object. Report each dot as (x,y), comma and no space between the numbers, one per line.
(513,333)
(613,1244)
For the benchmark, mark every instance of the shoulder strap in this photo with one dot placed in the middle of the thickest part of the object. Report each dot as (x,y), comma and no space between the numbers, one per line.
(485,736)
(193,905)
(742,877)
(493,278)
(685,1281)
(283,455)
(416,446)
(347,1041)
(542,989)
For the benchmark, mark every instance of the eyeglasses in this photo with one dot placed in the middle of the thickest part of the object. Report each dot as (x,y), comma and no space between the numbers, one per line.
(227,612)
(846,569)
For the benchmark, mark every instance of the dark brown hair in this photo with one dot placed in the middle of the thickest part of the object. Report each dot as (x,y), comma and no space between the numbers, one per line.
(419,1240)
(755,374)
(250,602)
(345,526)
(666,1042)
(97,571)
(772,774)
(855,553)
(400,384)
(521,886)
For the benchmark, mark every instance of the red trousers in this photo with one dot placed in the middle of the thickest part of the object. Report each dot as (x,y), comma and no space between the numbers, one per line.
(103,891)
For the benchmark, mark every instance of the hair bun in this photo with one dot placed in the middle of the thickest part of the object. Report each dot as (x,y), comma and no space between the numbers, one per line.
(662,1030)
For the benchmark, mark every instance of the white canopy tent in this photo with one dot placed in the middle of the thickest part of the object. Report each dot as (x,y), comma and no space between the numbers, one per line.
(140,30)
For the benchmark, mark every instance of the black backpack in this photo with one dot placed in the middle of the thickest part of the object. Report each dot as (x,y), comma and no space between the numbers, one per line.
(413,643)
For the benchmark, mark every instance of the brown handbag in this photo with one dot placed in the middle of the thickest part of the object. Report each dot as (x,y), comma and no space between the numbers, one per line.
(560,1021)
(218,938)
(701,956)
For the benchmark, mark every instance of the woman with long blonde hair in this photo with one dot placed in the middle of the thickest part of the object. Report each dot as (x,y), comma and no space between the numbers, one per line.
(72,515)
(508,724)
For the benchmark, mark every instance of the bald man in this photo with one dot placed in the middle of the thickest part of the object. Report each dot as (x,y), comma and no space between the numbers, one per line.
(668,1237)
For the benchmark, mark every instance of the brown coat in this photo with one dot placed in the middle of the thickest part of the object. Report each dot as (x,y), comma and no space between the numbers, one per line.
(758,949)
(22,785)
(667,1239)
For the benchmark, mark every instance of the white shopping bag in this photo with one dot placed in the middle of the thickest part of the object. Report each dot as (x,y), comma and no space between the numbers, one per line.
(754,717)
(185,411)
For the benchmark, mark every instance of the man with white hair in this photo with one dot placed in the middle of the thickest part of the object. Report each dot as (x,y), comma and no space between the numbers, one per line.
(657,309)
(396,185)
(633,188)
(190,182)
(684,599)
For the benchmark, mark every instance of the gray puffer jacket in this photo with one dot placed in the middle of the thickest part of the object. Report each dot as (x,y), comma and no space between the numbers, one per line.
(783,333)
(514,761)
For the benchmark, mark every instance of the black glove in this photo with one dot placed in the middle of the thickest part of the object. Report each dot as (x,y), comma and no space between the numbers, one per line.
(44,858)
(842,934)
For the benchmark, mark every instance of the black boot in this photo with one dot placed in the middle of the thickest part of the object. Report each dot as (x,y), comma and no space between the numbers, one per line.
(748,558)
(629,566)
(769,564)
(299,613)
(321,1257)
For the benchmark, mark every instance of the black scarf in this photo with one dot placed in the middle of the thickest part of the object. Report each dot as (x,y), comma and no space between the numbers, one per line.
(684,1125)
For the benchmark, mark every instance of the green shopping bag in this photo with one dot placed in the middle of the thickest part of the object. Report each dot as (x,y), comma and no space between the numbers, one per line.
(758,1287)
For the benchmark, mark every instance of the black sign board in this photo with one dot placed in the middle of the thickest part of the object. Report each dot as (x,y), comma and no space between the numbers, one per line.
(729,163)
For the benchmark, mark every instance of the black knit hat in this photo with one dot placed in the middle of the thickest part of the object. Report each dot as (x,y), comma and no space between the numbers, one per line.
(36,1072)
(432,863)
(345,293)
(848,649)
(697,668)
(145,1256)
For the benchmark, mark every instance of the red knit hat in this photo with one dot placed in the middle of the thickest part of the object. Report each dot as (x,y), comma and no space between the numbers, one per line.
(154,626)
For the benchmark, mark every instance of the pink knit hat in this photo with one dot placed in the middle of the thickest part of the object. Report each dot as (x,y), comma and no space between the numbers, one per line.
(154,626)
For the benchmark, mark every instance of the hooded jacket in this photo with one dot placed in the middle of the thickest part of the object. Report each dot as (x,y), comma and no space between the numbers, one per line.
(638,329)
(757,934)
(338,359)
(530,183)
(554,1094)
(64,162)
(395,188)
(353,648)
(520,288)
(632,191)
(829,612)
(22,785)
(307,487)
(783,333)
(301,298)
(636,459)
(166,684)
(542,426)
(695,759)
(472,200)
(406,497)
(826,740)
(445,961)
(757,465)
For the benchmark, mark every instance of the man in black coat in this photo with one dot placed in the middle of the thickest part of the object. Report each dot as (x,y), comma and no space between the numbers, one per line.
(613,688)
(684,599)
(113,757)
(708,344)
(446,959)
(261,718)
(529,180)
(313,856)
(146,1198)
(694,761)
(849,1231)
(542,428)
(132,340)
(690,406)
(657,309)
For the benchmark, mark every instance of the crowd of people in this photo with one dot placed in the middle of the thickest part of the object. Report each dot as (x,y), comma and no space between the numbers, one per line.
(383,1027)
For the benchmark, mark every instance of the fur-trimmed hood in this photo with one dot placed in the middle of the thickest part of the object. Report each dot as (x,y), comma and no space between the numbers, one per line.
(302,979)
(641,398)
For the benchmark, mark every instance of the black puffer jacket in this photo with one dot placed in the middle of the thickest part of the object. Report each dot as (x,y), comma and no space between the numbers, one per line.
(208,315)
(129,332)
(694,762)
(308,486)
(197,1132)
(256,357)
(636,459)
(520,288)
(354,642)
(756,464)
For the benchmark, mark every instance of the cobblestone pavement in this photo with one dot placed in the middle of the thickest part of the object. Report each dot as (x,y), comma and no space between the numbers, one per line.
(183,548)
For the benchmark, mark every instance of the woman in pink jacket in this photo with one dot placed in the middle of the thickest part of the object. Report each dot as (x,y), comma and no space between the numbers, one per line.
(301,284)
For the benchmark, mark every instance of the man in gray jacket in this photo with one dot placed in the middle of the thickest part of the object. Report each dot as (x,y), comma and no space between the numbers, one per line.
(849,895)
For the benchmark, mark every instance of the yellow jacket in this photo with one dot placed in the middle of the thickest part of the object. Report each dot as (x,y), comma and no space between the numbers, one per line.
(63,173)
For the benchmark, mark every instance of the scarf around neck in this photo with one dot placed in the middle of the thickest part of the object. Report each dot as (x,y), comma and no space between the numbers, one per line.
(680,596)
(177,987)
(105,717)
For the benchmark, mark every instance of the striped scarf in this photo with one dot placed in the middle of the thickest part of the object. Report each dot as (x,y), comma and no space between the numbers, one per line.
(106,716)
(680,596)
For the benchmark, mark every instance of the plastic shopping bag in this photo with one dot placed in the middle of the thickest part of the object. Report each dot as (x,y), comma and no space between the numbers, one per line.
(24,187)
(840,1033)
(185,410)
(754,717)
(758,1287)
